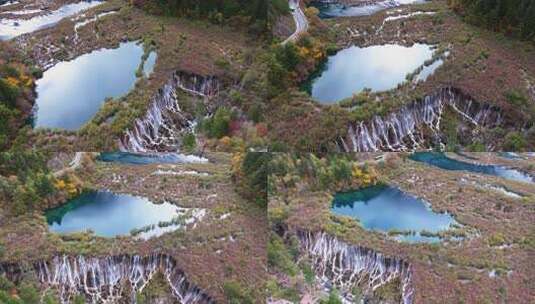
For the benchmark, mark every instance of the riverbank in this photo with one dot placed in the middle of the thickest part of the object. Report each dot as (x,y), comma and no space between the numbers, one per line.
(473,61)
(189,46)
(223,248)
(493,257)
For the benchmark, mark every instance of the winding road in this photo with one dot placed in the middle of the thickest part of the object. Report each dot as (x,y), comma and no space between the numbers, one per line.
(73,165)
(301,22)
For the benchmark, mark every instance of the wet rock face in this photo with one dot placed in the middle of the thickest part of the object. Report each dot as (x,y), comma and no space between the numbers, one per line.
(108,279)
(409,127)
(164,123)
(346,266)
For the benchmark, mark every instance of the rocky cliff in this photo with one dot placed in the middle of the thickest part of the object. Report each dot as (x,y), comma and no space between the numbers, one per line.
(108,279)
(345,266)
(164,123)
(417,123)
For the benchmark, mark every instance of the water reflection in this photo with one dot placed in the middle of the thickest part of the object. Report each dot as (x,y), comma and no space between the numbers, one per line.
(332,10)
(385,208)
(440,160)
(379,68)
(108,214)
(152,158)
(71,92)
(10,28)
(148,65)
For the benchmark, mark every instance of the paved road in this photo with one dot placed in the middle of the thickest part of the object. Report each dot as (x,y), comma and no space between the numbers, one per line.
(301,22)
(73,165)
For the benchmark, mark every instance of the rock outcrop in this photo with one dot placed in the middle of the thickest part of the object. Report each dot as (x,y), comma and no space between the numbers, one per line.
(411,126)
(345,266)
(164,123)
(108,279)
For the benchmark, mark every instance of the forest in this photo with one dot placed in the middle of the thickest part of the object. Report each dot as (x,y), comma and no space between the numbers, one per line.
(25,181)
(512,17)
(252,12)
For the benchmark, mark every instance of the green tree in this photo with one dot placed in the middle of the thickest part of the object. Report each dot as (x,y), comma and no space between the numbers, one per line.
(287,55)
(333,298)
(515,17)
(28,293)
(236,294)
(218,125)
(189,142)
(514,141)
(255,168)
(8,93)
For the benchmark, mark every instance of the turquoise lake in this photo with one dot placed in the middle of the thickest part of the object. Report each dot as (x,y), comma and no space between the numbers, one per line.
(385,208)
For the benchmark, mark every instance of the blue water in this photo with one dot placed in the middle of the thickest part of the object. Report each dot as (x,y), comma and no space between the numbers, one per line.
(385,208)
(10,28)
(510,155)
(333,10)
(108,214)
(71,92)
(149,158)
(148,66)
(378,67)
(429,70)
(440,160)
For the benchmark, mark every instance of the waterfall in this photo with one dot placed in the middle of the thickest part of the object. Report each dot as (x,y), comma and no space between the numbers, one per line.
(346,266)
(164,122)
(403,130)
(102,279)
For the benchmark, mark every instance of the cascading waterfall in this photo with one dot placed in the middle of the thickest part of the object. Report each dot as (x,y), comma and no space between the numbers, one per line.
(385,3)
(164,122)
(102,280)
(346,266)
(403,130)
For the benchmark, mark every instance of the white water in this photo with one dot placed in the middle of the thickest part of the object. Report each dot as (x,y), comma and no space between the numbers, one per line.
(346,266)
(83,23)
(9,3)
(188,215)
(499,189)
(23,12)
(103,280)
(165,122)
(402,130)
(398,17)
(10,28)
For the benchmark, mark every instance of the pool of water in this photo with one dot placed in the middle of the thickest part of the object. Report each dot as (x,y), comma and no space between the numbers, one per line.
(109,214)
(386,208)
(148,65)
(428,70)
(332,10)
(71,92)
(378,67)
(440,160)
(8,2)
(152,158)
(510,155)
(10,28)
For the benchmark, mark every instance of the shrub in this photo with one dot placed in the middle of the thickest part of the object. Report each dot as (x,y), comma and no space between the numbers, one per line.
(28,293)
(188,141)
(288,56)
(236,294)
(279,256)
(218,125)
(514,141)
(8,93)
(254,180)
(516,98)
(333,298)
